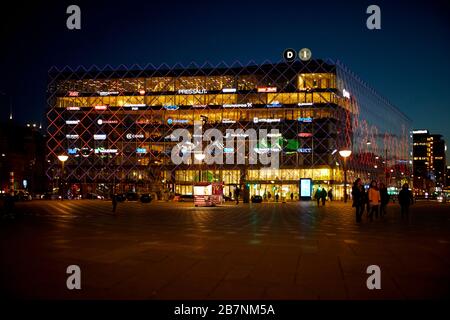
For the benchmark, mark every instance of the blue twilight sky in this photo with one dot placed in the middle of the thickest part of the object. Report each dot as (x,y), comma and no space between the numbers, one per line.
(407,61)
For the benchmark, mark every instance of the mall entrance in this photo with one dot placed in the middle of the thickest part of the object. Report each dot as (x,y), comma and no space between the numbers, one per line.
(268,191)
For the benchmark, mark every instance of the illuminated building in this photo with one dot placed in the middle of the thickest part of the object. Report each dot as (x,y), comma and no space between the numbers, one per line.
(429,162)
(116,126)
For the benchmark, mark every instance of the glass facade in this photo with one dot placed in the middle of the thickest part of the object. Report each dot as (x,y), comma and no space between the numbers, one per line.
(116,126)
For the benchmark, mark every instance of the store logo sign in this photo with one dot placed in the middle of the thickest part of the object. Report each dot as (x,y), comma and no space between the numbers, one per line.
(308,119)
(99,136)
(103,150)
(134,136)
(238,105)
(267,89)
(192,91)
(171,107)
(229,90)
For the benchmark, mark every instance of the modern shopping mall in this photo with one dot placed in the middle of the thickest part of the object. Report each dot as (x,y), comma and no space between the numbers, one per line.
(116,126)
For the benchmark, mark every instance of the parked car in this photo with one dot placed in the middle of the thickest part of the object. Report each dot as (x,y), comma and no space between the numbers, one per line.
(146,198)
(121,197)
(256,199)
(94,196)
(132,196)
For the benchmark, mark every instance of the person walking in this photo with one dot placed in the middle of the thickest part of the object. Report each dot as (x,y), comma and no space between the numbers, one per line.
(317,196)
(374,199)
(358,199)
(323,196)
(237,191)
(114,202)
(330,195)
(277,197)
(292,196)
(405,199)
(384,199)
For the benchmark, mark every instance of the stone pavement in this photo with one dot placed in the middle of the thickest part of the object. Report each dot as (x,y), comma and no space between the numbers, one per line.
(167,250)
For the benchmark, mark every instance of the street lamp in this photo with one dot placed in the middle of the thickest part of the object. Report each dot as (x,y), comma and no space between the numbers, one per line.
(345,153)
(63,158)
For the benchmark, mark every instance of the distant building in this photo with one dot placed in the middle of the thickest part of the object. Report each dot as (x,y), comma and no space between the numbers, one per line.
(447,177)
(429,162)
(22,152)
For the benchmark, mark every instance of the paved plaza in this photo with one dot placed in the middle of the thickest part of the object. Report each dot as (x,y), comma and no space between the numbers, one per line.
(166,250)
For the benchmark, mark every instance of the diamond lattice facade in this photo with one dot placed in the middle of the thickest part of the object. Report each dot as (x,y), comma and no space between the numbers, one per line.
(116,126)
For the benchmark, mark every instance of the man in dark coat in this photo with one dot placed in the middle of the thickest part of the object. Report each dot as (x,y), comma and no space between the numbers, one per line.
(405,198)
(359,198)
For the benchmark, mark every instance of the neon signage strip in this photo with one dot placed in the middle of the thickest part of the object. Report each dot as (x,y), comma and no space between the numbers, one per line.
(229,90)
(267,89)
(238,105)
(192,91)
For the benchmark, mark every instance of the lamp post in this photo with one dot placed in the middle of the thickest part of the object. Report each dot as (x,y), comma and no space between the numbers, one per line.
(345,153)
(63,158)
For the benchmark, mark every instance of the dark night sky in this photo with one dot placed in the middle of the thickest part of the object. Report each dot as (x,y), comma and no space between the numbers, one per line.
(407,61)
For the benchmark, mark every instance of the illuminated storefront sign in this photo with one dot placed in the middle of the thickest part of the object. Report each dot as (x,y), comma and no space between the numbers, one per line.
(304,150)
(228,121)
(199,106)
(345,94)
(72,151)
(192,91)
(235,135)
(274,104)
(267,150)
(85,152)
(100,121)
(267,89)
(72,121)
(305,188)
(141,150)
(302,104)
(73,93)
(142,121)
(72,136)
(228,150)
(108,93)
(134,106)
(100,107)
(73,108)
(99,136)
(276,135)
(103,150)
(258,120)
(135,136)
(172,107)
(420,132)
(238,105)
(141,92)
(308,119)
(228,90)
(173,121)
(305,134)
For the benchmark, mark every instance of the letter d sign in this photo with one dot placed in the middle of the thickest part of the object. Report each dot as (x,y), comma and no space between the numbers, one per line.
(289,55)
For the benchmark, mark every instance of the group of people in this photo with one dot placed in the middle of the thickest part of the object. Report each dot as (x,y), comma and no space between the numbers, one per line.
(321,195)
(376,198)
